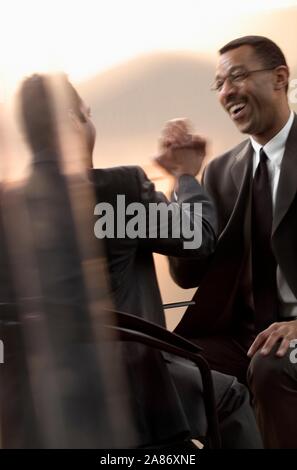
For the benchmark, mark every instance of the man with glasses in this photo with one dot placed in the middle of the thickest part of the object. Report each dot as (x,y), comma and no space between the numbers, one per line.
(246,304)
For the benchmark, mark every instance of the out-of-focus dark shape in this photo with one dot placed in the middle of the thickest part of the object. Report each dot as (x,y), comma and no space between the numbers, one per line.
(57,389)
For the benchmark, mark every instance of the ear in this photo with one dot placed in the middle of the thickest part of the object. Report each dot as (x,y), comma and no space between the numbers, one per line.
(281,77)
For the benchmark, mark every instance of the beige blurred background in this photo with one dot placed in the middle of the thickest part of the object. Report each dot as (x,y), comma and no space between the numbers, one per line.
(138,64)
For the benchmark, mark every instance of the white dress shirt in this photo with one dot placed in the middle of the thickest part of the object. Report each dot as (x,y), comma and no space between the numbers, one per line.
(274,149)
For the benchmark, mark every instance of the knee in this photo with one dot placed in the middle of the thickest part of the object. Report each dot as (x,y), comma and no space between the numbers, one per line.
(266,374)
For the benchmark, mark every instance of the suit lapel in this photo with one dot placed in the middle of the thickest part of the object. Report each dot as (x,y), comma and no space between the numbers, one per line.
(241,172)
(242,166)
(287,186)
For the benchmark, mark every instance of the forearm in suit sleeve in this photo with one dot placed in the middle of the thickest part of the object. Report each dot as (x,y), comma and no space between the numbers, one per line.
(189,193)
(188,272)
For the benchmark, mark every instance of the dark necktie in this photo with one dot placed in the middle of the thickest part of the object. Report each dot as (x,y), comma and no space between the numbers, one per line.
(263,260)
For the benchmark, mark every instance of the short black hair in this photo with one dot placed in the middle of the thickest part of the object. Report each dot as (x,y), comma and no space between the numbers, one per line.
(267,51)
(270,53)
(37,108)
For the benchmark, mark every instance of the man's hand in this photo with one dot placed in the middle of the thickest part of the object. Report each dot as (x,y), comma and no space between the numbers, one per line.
(284,331)
(181,152)
(181,161)
(177,132)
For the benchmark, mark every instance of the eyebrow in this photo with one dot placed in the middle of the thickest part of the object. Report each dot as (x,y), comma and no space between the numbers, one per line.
(232,69)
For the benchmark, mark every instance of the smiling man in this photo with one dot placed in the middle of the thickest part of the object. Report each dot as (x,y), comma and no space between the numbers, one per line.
(246,304)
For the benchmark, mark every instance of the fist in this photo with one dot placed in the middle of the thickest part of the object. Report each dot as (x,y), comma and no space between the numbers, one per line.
(181,152)
(177,132)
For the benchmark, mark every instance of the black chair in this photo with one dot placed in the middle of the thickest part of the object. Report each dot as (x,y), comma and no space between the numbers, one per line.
(132,328)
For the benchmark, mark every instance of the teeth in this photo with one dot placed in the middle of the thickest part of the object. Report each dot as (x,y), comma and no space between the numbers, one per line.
(236,108)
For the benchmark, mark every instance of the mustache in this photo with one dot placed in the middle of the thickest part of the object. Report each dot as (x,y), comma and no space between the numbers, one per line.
(234,99)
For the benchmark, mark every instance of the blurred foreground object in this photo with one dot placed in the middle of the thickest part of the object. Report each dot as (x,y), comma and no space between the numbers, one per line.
(61,386)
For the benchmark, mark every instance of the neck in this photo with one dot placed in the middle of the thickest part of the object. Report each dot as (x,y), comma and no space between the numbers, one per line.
(279,122)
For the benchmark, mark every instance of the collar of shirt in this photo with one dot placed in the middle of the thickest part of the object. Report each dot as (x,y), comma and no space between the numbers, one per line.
(275,148)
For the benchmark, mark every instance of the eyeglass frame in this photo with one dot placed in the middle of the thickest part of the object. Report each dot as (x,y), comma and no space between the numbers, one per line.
(244,76)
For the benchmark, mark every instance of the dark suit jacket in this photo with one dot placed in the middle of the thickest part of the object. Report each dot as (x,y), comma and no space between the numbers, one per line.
(219,305)
(163,410)
(133,277)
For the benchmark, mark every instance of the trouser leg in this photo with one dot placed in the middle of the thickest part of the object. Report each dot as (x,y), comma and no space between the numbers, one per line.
(236,418)
(273,382)
(225,354)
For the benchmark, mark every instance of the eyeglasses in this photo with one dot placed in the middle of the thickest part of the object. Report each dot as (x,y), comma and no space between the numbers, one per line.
(235,78)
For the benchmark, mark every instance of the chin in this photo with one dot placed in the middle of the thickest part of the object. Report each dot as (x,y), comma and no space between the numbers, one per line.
(245,128)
